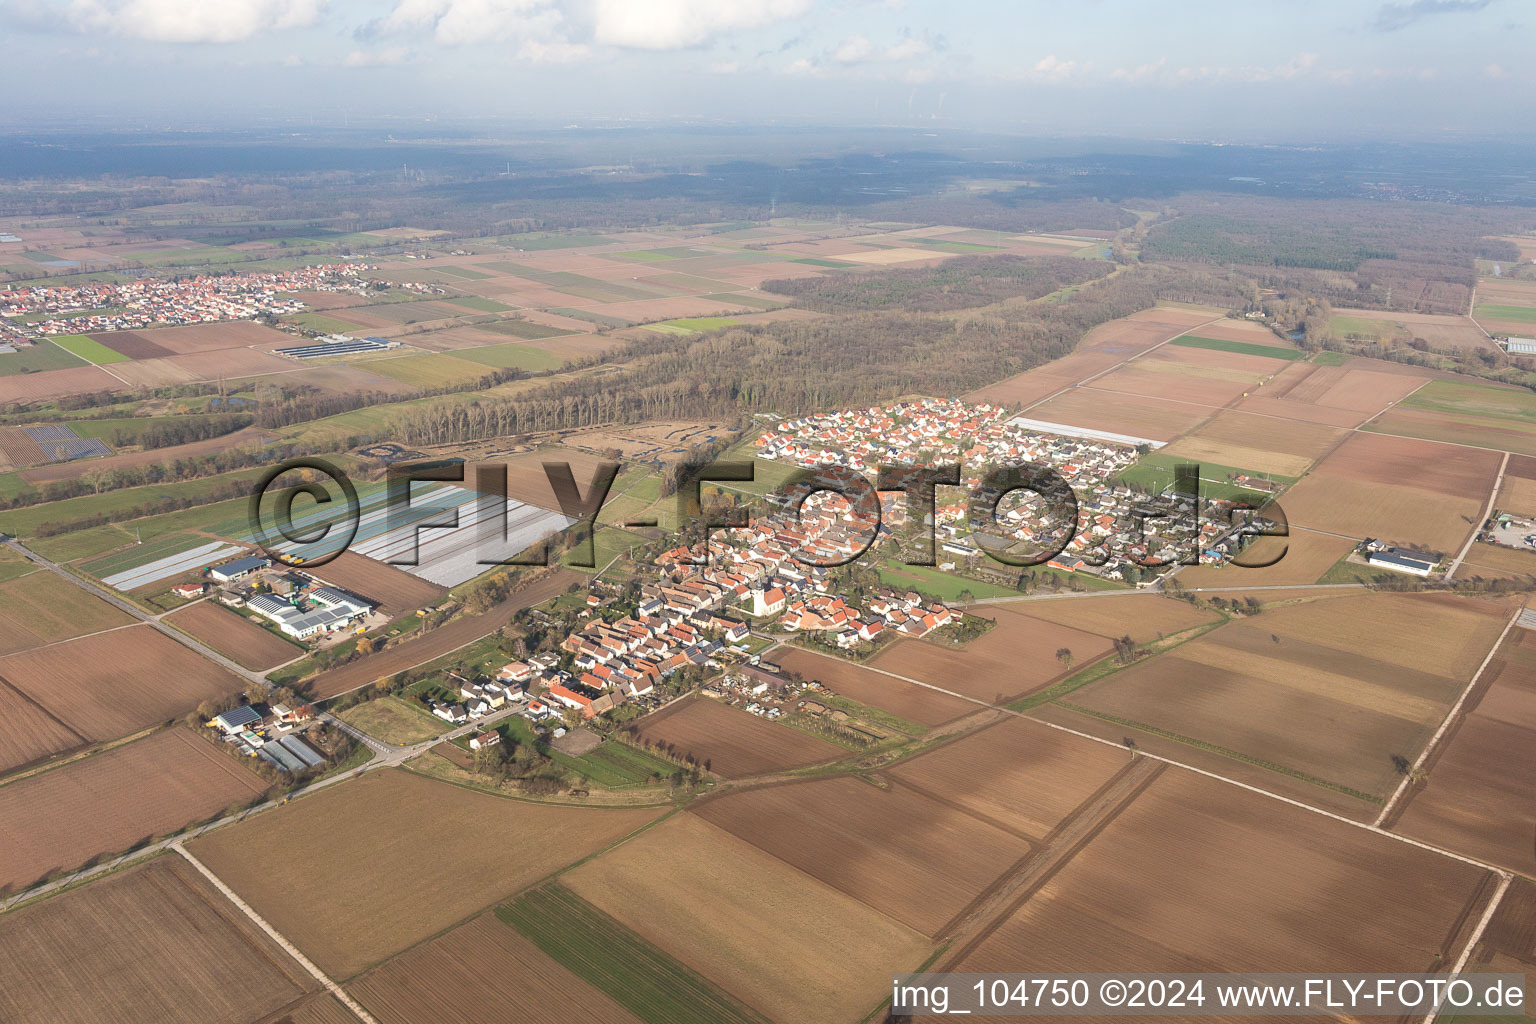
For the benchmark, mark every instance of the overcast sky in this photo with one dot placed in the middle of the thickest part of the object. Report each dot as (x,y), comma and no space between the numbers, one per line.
(1287,71)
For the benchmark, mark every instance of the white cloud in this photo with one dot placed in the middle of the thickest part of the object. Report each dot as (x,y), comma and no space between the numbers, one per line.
(1053,69)
(180,21)
(858,49)
(537,29)
(1495,71)
(375,58)
(678,24)
(853,50)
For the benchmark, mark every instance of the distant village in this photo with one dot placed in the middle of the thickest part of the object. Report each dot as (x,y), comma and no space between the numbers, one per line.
(150,302)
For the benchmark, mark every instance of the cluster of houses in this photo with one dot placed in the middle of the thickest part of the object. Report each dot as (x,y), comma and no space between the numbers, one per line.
(274,735)
(152,302)
(1118,532)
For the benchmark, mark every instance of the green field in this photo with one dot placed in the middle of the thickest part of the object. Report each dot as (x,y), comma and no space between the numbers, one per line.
(431,371)
(88,349)
(1331,358)
(675,252)
(943,585)
(43,356)
(1464,398)
(1519,314)
(1243,347)
(943,245)
(647,982)
(115,505)
(68,314)
(578,285)
(812,261)
(539,243)
(614,765)
(323,324)
(393,720)
(691,325)
(600,319)
(1154,472)
(525,329)
(512,354)
(462,272)
(142,554)
(482,304)
(1343,326)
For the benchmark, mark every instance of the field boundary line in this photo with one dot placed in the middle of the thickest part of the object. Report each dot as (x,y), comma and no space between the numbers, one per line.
(276,936)
(1110,369)
(1445,725)
(1354,823)
(1505,878)
(1477,527)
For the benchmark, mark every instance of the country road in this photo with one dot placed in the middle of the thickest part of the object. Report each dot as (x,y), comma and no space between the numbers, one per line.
(134,610)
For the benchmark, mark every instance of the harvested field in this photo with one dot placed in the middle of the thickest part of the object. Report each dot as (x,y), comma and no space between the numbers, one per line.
(1101,348)
(1406,491)
(1327,691)
(1261,444)
(1344,396)
(194,449)
(346,873)
(110,684)
(1019,775)
(456,977)
(169,341)
(753,924)
(1494,561)
(1142,616)
(110,801)
(18,449)
(1135,415)
(876,689)
(235,636)
(1169,380)
(396,591)
(1465,413)
(730,742)
(156,944)
(906,855)
(30,732)
(1441,332)
(42,608)
(1475,799)
(1015,657)
(1196,875)
(24,388)
(461,631)
(1304,556)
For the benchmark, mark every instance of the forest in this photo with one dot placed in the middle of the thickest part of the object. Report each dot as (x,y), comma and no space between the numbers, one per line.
(791,367)
(962,283)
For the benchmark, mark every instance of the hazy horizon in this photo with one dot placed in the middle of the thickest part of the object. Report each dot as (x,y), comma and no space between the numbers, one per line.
(1309,71)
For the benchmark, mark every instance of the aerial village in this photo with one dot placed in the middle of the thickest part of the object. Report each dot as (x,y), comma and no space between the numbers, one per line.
(106,306)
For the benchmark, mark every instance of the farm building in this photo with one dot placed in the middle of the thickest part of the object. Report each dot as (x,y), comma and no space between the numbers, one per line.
(237,719)
(1406,560)
(239,568)
(337,610)
(1520,346)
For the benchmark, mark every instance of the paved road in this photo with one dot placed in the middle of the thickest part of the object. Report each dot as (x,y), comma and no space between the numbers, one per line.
(260,922)
(1492,498)
(137,612)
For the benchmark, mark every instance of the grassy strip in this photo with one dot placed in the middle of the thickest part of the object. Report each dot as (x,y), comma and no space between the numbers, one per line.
(647,982)
(1107,666)
(1242,347)
(1224,752)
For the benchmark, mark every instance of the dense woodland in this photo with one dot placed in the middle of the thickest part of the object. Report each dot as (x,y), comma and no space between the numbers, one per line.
(1415,257)
(792,367)
(962,283)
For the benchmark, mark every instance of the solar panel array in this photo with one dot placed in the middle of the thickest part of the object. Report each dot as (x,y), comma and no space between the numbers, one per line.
(51,432)
(80,448)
